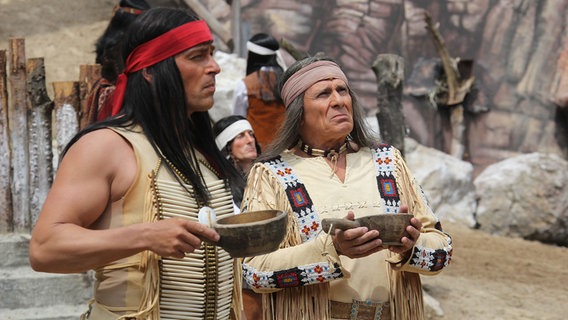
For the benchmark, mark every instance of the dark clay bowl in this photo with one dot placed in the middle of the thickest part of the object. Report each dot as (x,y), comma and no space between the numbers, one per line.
(391,226)
(252,233)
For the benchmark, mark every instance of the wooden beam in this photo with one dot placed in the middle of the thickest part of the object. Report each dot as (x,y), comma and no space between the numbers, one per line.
(88,75)
(6,209)
(212,22)
(292,50)
(19,142)
(66,106)
(40,143)
(236,28)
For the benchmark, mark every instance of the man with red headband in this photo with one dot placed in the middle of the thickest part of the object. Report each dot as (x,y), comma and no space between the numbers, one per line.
(129,190)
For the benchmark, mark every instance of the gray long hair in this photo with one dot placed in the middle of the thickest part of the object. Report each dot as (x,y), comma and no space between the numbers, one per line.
(289,133)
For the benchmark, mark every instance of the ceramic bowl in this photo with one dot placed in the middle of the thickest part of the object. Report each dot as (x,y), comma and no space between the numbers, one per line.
(252,233)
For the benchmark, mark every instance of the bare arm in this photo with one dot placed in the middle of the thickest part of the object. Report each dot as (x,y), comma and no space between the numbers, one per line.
(96,171)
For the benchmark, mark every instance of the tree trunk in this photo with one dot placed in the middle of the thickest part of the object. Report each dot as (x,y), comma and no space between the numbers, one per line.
(389,70)
(457,146)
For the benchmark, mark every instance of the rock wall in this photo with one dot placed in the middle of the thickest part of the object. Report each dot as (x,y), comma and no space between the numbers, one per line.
(519,50)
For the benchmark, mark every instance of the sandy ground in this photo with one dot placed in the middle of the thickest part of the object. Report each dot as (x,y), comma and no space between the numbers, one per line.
(489,278)
(497,278)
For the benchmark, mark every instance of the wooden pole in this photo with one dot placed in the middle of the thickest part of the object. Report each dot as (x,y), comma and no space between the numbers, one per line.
(67,106)
(292,50)
(6,209)
(236,28)
(18,132)
(40,144)
(212,22)
(458,88)
(88,75)
(389,70)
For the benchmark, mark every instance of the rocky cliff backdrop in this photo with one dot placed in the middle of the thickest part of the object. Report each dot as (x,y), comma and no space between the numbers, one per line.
(516,50)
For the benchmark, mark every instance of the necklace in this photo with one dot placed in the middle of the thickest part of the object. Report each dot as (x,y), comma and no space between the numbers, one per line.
(209,166)
(331,154)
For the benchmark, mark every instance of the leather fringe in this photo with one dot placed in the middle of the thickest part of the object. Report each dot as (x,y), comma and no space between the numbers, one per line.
(149,261)
(307,302)
(237,303)
(406,296)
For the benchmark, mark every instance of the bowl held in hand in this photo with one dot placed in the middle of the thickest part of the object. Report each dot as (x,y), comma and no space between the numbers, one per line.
(252,233)
(391,226)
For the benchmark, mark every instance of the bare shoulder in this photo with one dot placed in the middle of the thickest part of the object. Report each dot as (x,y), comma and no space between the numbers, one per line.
(103,152)
(102,142)
(102,138)
(101,160)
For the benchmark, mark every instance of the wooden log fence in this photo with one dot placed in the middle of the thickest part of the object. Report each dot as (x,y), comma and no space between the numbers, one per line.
(33,131)
(6,218)
(18,135)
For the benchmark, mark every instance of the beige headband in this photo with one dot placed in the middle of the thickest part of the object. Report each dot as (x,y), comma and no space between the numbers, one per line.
(307,76)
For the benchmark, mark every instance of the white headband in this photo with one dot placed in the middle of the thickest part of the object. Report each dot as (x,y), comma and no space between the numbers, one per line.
(253,47)
(260,50)
(231,132)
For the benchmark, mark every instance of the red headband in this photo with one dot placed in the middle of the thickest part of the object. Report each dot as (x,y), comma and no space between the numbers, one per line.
(158,49)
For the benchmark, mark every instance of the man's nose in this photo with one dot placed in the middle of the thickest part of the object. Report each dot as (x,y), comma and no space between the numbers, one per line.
(214,66)
(249,137)
(336,99)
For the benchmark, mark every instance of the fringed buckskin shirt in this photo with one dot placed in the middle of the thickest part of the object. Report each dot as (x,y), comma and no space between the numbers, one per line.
(299,280)
(147,286)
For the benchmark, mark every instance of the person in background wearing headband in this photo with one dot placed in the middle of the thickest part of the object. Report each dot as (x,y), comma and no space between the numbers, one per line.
(131,190)
(256,96)
(235,137)
(107,49)
(324,163)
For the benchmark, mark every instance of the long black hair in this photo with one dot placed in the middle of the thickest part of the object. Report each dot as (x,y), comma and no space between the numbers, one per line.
(257,61)
(267,68)
(107,47)
(160,108)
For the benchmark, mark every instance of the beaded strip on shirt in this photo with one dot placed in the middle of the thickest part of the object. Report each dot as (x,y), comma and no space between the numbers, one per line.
(422,258)
(305,214)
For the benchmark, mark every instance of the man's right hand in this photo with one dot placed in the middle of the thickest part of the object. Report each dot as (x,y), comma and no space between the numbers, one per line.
(175,237)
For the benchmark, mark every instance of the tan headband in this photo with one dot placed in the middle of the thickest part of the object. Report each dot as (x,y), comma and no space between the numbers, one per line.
(307,76)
